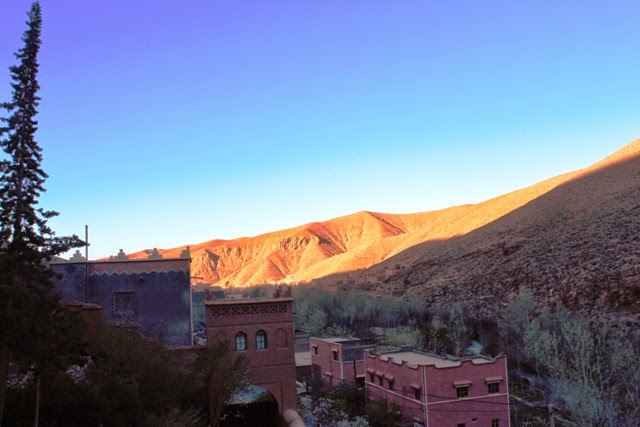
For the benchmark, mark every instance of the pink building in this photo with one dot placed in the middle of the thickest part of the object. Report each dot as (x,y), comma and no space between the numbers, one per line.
(435,391)
(262,329)
(337,360)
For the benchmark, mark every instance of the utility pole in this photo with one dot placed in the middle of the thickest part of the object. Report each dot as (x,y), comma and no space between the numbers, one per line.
(355,374)
(552,422)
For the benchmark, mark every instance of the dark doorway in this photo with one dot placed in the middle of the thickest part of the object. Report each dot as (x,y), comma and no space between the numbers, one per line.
(261,411)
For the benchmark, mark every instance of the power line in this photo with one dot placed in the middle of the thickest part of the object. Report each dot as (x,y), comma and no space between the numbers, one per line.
(510,404)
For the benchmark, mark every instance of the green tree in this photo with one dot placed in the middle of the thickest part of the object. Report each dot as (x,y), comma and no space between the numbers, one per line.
(317,321)
(27,243)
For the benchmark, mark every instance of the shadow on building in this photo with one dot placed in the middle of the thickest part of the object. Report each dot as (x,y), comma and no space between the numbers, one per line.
(256,406)
(152,294)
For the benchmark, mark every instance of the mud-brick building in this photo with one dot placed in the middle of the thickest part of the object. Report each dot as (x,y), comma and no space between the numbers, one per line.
(153,294)
(262,329)
(436,391)
(337,360)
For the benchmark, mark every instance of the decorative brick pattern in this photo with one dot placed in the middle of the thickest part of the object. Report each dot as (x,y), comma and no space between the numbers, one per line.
(244,310)
(139,267)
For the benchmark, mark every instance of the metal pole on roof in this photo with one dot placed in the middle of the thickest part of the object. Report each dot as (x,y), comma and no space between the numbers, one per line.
(86,265)
(86,242)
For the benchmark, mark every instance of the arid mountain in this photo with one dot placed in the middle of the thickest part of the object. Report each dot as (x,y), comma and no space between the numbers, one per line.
(575,239)
(574,236)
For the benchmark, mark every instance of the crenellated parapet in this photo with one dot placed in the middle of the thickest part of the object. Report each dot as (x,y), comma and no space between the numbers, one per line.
(77,257)
(121,256)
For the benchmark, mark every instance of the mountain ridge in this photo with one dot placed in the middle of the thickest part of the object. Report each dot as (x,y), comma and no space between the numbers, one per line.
(385,253)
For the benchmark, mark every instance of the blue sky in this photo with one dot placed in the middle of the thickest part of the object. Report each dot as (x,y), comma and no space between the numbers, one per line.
(170,123)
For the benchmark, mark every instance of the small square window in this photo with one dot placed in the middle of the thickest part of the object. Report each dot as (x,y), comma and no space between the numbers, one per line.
(495,422)
(381,381)
(372,378)
(315,349)
(494,388)
(462,391)
(461,425)
(416,393)
(390,385)
(335,354)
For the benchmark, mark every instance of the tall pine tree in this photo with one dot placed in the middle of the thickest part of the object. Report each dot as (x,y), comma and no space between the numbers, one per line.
(27,243)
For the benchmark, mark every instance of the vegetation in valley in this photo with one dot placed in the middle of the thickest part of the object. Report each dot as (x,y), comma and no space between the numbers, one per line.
(584,367)
(346,406)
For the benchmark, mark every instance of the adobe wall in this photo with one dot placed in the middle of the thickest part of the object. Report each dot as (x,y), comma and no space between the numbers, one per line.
(92,319)
(330,370)
(353,369)
(404,377)
(158,293)
(345,369)
(480,407)
(71,281)
(274,367)
(437,390)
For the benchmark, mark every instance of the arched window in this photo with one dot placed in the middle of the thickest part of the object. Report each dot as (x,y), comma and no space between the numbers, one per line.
(261,340)
(241,342)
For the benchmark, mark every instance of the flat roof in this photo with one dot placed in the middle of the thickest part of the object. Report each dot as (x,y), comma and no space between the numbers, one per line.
(337,339)
(240,301)
(415,358)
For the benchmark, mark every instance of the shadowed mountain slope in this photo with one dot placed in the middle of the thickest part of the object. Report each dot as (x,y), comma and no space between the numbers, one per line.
(577,241)
(566,236)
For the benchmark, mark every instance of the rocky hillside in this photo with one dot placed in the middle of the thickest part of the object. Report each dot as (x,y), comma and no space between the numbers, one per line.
(575,239)
(299,254)
(574,236)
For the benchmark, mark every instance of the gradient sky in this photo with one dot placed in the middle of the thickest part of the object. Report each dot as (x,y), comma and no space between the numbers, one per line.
(166,123)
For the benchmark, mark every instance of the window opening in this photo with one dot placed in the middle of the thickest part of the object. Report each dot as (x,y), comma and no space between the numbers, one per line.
(261,340)
(241,342)
(462,391)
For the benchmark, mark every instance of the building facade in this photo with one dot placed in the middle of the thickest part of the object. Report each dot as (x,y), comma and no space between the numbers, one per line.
(435,391)
(262,330)
(338,360)
(153,294)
